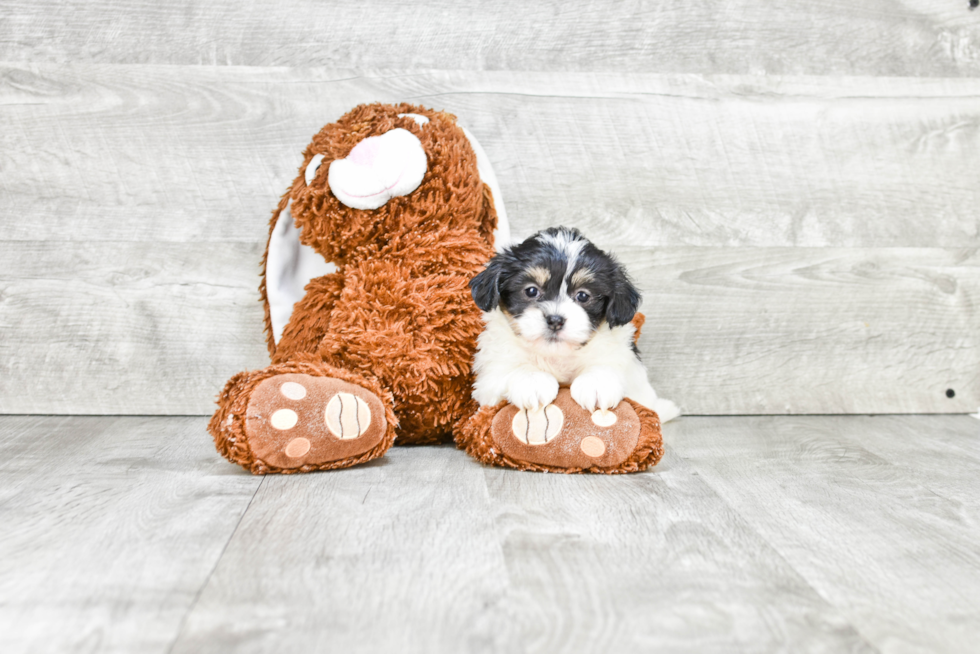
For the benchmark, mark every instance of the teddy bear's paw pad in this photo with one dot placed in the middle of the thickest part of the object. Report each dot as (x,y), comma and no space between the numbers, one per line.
(347,416)
(295,420)
(592,447)
(563,435)
(604,417)
(537,426)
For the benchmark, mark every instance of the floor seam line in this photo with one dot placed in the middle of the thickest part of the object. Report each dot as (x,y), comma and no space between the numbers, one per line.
(217,562)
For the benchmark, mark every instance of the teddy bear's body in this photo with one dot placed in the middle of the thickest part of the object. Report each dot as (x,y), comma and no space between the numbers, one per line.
(398,307)
(395,315)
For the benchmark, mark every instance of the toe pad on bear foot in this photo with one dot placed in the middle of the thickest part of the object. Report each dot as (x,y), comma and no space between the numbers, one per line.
(563,435)
(295,420)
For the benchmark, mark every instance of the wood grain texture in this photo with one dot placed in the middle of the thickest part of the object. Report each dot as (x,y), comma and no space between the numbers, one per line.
(398,555)
(413,554)
(649,562)
(162,153)
(125,328)
(811,330)
(755,534)
(110,528)
(871,37)
(883,534)
(140,328)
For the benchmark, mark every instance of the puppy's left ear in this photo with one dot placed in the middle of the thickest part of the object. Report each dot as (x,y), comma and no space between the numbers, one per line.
(624,302)
(485,287)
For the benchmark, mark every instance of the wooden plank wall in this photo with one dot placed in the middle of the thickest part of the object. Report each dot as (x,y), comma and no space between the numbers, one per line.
(795,186)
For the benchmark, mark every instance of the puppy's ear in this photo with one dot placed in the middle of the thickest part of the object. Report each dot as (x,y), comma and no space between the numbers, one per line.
(624,302)
(485,287)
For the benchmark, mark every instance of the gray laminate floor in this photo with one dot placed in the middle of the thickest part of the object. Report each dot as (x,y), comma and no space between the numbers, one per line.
(796,534)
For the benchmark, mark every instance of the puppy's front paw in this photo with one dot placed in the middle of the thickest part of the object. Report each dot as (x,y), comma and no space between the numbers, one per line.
(597,388)
(532,390)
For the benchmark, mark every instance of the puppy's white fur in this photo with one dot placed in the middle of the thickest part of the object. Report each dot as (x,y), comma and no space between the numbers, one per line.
(527,370)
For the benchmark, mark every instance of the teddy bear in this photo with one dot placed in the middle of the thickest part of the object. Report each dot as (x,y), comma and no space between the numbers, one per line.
(369,321)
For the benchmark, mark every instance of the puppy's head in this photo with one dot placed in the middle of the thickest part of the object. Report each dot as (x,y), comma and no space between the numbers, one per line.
(557,288)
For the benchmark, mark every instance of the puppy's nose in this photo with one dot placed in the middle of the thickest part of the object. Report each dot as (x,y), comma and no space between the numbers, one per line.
(555,322)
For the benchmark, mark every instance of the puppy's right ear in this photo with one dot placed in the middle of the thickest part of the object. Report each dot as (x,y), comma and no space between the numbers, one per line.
(485,287)
(625,299)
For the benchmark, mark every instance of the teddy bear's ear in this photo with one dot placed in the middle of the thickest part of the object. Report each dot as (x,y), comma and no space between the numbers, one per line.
(501,234)
(289,267)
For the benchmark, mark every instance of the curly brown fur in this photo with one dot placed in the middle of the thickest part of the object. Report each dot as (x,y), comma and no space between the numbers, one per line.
(451,182)
(313,311)
(638,321)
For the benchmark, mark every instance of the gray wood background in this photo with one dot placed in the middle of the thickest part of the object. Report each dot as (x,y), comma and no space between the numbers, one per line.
(795,186)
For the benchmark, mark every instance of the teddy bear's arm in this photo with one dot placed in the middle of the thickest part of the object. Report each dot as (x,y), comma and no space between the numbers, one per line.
(310,320)
(494,224)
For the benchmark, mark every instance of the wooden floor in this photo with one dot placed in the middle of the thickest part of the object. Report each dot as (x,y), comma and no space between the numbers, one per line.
(755,534)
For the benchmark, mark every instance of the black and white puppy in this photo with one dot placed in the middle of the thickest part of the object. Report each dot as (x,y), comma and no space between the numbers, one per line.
(558,311)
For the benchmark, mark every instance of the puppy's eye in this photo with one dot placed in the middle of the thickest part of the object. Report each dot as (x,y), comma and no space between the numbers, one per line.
(531,291)
(582,297)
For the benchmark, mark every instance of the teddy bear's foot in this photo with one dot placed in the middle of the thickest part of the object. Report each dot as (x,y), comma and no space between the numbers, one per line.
(299,422)
(564,437)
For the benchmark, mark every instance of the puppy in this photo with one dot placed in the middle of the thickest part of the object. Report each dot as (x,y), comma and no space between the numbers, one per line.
(557,311)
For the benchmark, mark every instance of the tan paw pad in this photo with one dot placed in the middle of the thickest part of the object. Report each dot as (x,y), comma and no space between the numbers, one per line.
(347,416)
(284,419)
(297,448)
(604,418)
(537,426)
(592,447)
(293,391)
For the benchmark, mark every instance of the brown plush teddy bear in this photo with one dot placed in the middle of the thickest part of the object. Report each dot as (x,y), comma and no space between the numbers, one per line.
(370,324)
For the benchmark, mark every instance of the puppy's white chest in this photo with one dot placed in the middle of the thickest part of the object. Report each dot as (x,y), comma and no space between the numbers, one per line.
(565,367)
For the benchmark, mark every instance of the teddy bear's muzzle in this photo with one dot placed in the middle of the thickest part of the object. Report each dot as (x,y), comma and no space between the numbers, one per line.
(378,169)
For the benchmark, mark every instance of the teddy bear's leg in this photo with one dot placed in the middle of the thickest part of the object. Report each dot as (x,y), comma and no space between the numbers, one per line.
(564,437)
(300,416)
(416,334)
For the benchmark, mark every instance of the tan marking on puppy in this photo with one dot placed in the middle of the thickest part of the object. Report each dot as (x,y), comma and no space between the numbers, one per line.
(540,275)
(511,321)
(582,276)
